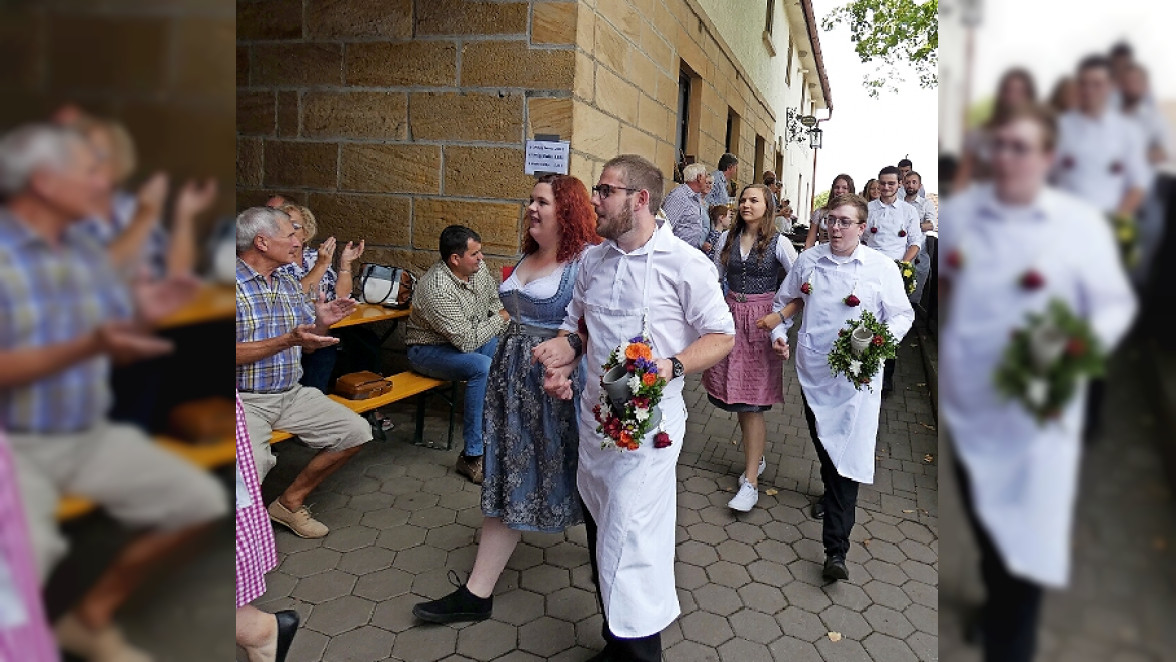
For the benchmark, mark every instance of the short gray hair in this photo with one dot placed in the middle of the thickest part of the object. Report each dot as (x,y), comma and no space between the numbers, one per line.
(33,147)
(694,171)
(257,221)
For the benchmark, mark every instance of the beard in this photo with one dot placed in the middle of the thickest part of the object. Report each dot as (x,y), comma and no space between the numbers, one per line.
(612,227)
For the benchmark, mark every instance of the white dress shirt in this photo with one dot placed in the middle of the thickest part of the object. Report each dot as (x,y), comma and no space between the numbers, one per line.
(847,419)
(1023,476)
(925,208)
(890,219)
(1100,158)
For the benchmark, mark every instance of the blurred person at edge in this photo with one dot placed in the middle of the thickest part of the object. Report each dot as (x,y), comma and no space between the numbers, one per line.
(24,632)
(1139,106)
(871,191)
(1015,89)
(1064,96)
(65,317)
(1018,477)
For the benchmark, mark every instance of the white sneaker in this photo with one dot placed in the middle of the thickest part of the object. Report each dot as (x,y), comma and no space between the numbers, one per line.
(746,499)
(743,476)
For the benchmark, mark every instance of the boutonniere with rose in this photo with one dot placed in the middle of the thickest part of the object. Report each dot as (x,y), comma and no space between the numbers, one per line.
(630,390)
(1046,359)
(908,275)
(860,350)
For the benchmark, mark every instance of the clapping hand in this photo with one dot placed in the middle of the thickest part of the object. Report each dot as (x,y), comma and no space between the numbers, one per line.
(305,337)
(156,299)
(328,312)
(326,251)
(126,343)
(152,194)
(351,253)
(194,198)
(780,346)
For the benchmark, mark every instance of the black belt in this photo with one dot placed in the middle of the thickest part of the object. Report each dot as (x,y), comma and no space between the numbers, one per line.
(515,328)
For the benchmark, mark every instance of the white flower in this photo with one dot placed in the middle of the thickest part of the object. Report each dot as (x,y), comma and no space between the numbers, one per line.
(641,414)
(634,383)
(1037,390)
(855,367)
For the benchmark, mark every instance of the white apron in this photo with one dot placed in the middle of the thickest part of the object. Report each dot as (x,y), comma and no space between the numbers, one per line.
(632,495)
(847,419)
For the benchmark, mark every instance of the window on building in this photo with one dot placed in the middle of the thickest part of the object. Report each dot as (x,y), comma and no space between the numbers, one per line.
(803,94)
(788,69)
(761,147)
(683,112)
(689,112)
(771,15)
(733,122)
(780,166)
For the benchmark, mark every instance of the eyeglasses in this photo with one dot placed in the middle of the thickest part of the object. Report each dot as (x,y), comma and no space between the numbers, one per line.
(606,190)
(841,222)
(1014,147)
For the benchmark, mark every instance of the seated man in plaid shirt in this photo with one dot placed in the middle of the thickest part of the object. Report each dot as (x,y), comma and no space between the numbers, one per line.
(276,322)
(65,317)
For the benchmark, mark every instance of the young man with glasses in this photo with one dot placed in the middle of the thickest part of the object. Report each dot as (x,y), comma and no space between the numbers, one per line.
(842,420)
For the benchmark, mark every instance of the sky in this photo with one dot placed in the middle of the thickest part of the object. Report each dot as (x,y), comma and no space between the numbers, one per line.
(1011,34)
(866,134)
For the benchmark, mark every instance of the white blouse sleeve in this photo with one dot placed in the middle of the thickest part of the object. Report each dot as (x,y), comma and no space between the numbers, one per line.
(785,252)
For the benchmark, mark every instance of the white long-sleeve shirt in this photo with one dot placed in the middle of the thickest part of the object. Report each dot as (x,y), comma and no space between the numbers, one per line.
(1099,159)
(885,223)
(1024,475)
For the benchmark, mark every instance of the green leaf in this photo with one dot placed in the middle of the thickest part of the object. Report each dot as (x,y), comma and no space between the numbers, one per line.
(895,35)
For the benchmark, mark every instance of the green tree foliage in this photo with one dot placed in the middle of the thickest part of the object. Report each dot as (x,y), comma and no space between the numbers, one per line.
(821,199)
(893,34)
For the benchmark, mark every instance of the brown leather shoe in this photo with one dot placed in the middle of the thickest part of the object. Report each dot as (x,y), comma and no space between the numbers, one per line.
(299,521)
(470,467)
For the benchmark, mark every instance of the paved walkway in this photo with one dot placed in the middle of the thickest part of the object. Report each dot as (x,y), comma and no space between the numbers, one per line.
(749,585)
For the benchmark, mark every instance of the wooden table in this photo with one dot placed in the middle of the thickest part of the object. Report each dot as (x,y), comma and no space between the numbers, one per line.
(367,313)
(214,302)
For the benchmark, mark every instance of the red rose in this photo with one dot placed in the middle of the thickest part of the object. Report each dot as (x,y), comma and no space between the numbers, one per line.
(1076,347)
(1068,162)
(806,288)
(631,367)
(852,301)
(1116,167)
(902,233)
(662,440)
(1032,280)
(874,229)
(878,340)
(955,259)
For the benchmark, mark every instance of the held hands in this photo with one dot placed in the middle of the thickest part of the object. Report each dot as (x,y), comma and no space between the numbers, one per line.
(304,336)
(557,382)
(327,313)
(780,346)
(554,353)
(768,322)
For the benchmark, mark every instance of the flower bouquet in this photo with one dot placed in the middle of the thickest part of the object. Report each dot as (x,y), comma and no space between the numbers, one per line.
(908,275)
(630,390)
(1127,237)
(860,350)
(1045,360)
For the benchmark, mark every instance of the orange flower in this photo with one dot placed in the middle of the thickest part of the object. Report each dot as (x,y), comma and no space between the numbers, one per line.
(638,350)
(648,379)
(626,439)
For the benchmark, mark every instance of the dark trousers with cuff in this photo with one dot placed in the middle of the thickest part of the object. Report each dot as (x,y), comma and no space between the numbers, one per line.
(1012,607)
(839,499)
(642,649)
(888,374)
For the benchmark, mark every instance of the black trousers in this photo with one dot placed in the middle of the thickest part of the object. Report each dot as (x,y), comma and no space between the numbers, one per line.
(888,374)
(839,499)
(1012,607)
(642,649)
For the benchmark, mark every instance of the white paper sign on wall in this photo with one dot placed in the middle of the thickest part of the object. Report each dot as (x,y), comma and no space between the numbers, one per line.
(547,156)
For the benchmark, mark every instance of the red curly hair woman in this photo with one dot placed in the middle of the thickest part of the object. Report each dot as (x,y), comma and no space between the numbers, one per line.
(532,442)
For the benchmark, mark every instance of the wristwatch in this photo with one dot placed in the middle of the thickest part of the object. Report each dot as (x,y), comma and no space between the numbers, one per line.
(576,342)
(679,369)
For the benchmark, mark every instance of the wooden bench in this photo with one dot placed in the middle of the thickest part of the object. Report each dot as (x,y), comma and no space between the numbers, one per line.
(222,453)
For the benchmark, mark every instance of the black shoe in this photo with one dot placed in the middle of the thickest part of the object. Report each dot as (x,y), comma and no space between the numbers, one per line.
(287,626)
(835,568)
(818,510)
(461,605)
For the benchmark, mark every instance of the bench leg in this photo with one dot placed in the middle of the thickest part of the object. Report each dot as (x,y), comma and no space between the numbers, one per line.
(419,437)
(452,413)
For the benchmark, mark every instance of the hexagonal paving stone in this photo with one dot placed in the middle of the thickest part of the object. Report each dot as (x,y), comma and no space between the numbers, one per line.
(588,632)
(434,583)
(363,561)
(886,572)
(845,621)
(884,531)
(810,549)
(337,616)
(790,649)
(762,597)
(383,584)
(324,586)
(545,579)
(374,501)
(782,531)
(449,536)
(310,562)
(728,574)
(847,594)
(355,485)
(925,646)
(925,619)
(518,607)
(566,555)
(745,532)
(917,551)
(920,572)
(755,626)
(421,558)
(775,551)
(384,472)
(928,596)
(401,537)
(916,531)
(770,573)
(689,651)
(882,647)
(487,640)
(742,650)
(888,621)
(846,650)
(801,624)
(689,576)
(385,518)
(277,585)
(308,645)
(425,643)
(546,636)
(432,516)
(707,533)
(416,501)
(525,556)
(692,501)
(736,552)
(395,614)
(571,604)
(717,599)
(402,486)
(697,553)
(887,595)
(888,552)
(807,571)
(350,538)
(706,628)
(806,596)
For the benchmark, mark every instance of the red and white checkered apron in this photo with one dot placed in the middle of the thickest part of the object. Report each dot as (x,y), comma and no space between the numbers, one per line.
(256,554)
(24,633)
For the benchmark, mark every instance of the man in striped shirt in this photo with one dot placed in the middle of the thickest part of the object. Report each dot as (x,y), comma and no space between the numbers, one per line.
(64,318)
(683,206)
(276,322)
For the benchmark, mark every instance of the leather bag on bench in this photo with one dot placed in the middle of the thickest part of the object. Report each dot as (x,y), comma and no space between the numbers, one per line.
(361,385)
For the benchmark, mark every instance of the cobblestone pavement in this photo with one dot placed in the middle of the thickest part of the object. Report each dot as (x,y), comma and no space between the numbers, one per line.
(749,585)
(1122,602)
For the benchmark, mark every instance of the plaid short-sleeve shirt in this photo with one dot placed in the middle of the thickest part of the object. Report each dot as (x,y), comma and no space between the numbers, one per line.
(268,309)
(51,295)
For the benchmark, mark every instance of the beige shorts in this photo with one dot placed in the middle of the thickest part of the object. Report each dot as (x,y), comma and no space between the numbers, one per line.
(118,467)
(320,422)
